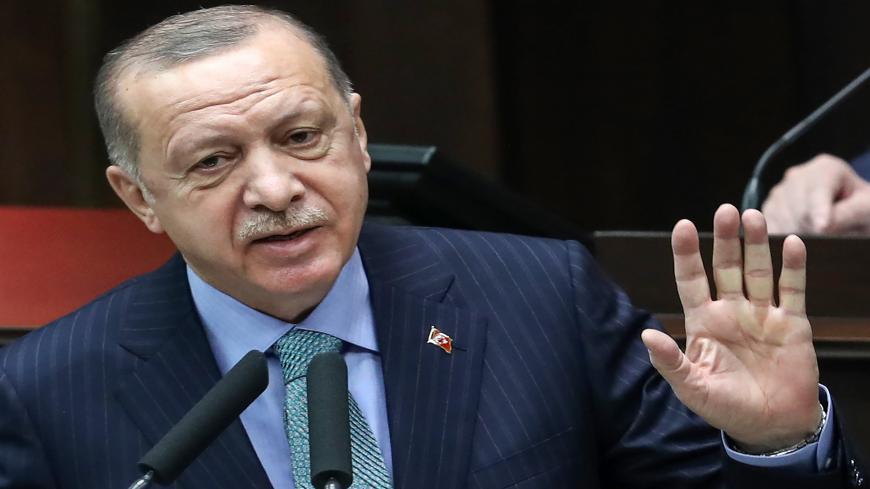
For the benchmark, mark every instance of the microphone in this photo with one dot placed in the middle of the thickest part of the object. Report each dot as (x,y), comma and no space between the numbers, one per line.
(205,421)
(329,422)
(753,191)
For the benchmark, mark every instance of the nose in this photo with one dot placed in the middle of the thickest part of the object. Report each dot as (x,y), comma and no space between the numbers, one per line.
(271,182)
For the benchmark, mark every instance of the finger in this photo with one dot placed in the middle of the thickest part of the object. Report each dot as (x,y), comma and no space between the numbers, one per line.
(793,279)
(757,269)
(827,177)
(791,197)
(852,212)
(664,352)
(800,212)
(802,201)
(778,220)
(671,363)
(818,204)
(692,285)
(784,208)
(727,255)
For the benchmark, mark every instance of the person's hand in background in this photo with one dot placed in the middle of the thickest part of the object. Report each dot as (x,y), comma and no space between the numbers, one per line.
(821,196)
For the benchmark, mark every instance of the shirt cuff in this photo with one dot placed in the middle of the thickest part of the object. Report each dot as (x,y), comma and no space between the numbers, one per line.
(815,457)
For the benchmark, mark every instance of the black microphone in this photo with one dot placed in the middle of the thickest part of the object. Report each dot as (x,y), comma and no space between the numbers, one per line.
(329,422)
(753,191)
(205,421)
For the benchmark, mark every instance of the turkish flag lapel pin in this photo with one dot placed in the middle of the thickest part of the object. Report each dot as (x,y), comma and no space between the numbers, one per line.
(441,340)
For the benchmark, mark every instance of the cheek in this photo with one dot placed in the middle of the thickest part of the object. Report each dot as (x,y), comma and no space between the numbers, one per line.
(344,187)
(354,197)
(206,222)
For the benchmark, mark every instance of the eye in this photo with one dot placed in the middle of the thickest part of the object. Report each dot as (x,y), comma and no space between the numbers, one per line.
(211,162)
(306,143)
(303,137)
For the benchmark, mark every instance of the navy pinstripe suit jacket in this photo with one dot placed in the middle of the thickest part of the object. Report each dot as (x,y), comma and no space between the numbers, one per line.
(548,385)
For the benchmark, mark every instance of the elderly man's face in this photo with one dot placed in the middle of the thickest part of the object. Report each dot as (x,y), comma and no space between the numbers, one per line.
(234,142)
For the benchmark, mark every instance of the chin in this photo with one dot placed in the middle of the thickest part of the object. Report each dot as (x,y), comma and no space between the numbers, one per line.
(312,278)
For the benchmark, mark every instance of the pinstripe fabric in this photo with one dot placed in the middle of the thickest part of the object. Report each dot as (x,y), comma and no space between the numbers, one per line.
(93,391)
(548,385)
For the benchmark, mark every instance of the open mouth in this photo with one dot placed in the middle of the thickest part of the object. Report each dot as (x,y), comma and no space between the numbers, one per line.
(286,237)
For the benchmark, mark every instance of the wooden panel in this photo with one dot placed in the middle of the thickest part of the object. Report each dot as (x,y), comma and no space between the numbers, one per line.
(838,270)
(33,136)
(427,76)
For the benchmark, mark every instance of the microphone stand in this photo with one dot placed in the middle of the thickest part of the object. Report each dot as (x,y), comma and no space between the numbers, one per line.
(144,481)
(207,419)
(330,484)
(753,191)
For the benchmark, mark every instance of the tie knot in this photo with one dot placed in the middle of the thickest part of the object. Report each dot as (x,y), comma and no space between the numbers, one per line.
(297,348)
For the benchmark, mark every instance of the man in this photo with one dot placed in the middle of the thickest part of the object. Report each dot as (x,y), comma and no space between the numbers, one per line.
(825,195)
(234,131)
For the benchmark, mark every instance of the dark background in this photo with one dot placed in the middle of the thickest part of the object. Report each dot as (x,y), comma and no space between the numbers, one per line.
(611,114)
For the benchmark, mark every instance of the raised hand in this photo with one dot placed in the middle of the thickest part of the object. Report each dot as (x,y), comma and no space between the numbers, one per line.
(750,367)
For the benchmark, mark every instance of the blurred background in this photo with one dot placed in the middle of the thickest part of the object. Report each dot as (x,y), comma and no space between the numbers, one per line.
(612,115)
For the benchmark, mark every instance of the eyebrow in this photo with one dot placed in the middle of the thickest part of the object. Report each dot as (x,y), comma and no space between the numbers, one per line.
(304,107)
(316,110)
(190,144)
(219,137)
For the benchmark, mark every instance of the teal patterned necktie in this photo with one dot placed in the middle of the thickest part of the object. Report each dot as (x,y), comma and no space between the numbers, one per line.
(295,350)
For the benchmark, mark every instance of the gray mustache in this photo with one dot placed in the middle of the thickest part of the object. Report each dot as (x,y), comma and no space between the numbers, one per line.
(267,222)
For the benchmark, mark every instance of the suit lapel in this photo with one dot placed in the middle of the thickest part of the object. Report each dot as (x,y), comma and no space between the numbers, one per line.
(432,396)
(173,369)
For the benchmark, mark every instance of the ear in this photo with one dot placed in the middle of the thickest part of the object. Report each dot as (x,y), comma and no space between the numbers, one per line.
(361,136)
(133,195)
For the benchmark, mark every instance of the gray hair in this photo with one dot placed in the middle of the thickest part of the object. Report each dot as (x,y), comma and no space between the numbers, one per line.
(183,38)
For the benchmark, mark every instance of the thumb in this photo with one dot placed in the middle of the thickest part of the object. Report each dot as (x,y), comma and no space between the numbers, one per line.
(666,357)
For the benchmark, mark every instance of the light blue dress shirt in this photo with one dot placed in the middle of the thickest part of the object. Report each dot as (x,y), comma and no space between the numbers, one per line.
(812,458)
(233,329)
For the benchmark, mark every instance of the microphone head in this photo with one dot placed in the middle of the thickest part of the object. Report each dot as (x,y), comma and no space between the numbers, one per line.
(328,421)
(207,419)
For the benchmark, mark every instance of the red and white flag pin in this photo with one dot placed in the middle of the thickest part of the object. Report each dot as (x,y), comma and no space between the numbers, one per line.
(441,340)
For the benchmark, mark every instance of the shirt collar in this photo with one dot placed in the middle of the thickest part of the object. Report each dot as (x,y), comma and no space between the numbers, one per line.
(234,328)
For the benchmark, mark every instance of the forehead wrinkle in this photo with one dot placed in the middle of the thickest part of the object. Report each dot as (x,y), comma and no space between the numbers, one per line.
(304,103)
(231,100)
(230,103)
(308,102)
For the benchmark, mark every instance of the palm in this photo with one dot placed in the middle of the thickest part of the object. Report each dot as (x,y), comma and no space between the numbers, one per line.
(749,366)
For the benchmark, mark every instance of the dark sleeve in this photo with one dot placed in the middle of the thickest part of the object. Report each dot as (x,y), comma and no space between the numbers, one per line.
(845,472)
(22,461)
(861,164)
(647,437)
